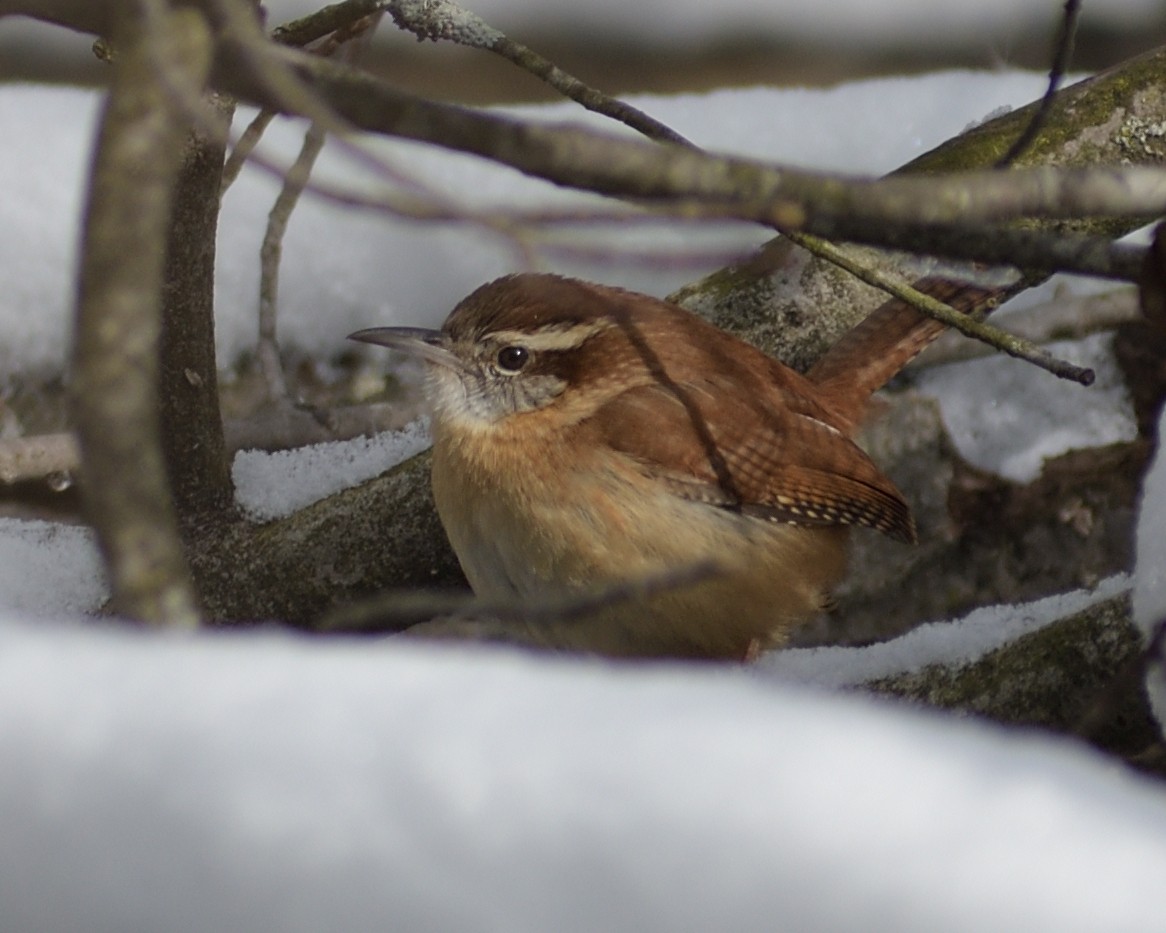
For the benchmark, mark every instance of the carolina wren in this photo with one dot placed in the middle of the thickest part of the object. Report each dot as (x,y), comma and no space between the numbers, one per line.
(585,436)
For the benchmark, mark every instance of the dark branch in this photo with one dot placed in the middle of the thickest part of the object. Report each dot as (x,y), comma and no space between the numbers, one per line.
(115,357)
(1062,52)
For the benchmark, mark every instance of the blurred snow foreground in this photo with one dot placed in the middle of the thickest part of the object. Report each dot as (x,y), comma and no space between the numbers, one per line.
(268,782)
(264,781)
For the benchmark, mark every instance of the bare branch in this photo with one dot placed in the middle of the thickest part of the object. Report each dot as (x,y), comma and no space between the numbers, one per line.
(40,456)
(115,359)
(443,19)
(1044,250)
(444,614)
(326,20)
(34,458)
(1063,317)
(192,429)
(967,325)
(295,180)
(92,16)
(293,186)
(829,206)
(446,19)
(1062,52)
(245,146)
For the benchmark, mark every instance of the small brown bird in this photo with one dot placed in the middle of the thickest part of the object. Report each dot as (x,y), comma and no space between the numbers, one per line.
(586,436)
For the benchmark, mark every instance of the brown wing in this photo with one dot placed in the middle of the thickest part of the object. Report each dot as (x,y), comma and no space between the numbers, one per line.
(782,462)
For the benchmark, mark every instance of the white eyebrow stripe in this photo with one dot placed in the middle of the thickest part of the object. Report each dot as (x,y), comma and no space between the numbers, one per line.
(552,337)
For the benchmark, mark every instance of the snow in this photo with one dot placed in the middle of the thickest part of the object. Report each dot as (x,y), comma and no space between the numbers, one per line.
(1028,417)
(265,781)
(48,569)
(274,484)
(952,643)
(39,220)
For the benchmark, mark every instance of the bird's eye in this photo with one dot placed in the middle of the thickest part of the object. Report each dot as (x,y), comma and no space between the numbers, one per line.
(512,359)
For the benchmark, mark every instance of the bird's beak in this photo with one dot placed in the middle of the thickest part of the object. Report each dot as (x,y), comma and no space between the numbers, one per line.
(419,342)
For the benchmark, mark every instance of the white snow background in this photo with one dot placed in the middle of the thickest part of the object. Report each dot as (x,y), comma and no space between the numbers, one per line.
(265,781)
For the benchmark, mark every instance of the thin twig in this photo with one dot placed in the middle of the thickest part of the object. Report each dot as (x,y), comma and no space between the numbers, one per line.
(444,19)
(694,258)
(34,458)
(1037,250)
(245,146)
(590,98)
(289,92)
(329,19)
(1062,53)
(965,324)
(349,42)
(270,253)
(398,610)
(241,26)
(343,22)
(1062,317)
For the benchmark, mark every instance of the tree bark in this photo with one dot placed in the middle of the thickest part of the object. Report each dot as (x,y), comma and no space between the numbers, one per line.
(115,356)
(192,427)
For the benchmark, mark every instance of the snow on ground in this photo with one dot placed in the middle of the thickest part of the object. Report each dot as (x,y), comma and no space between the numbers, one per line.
(273,484)
(268,782)
(264,781)
(954,643)
(1028,417)
(48,569)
